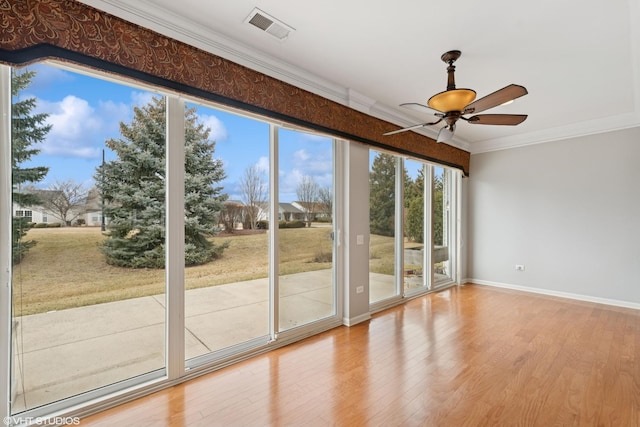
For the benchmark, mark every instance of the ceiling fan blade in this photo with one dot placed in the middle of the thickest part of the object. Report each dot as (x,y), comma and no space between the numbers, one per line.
(411,128)
(506,94)
(498,119)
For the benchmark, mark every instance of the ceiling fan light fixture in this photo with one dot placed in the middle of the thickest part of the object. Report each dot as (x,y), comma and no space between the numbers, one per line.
(445,134)
(452,100)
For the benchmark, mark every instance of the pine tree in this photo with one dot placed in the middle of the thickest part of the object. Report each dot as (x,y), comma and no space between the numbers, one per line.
(133,188)
(414,226)
(414,203)
(27,129)
(382,195)
(438,206)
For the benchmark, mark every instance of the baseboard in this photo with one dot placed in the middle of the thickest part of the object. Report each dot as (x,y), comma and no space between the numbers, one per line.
(351,321)
(578,297)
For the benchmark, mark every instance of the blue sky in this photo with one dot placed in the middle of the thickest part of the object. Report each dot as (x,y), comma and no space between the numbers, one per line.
(85,111)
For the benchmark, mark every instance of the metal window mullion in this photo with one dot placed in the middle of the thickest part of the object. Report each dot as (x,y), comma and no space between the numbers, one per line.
(5,241)
(274,290)
(175,288)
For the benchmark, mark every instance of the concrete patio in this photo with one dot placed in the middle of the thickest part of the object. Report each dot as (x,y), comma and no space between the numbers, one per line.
(63,353)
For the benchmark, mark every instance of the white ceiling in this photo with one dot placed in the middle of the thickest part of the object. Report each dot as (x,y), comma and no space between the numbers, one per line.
(579,59)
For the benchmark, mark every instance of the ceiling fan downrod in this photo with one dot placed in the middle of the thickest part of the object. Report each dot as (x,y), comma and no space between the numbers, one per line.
(450,58)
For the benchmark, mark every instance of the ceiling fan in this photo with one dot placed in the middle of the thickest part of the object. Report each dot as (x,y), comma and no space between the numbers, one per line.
(452,104)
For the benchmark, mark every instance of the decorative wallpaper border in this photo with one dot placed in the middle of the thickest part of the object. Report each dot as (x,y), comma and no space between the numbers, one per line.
(33,30)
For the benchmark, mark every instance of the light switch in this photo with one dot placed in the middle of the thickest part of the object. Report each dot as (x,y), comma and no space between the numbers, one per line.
(359,239)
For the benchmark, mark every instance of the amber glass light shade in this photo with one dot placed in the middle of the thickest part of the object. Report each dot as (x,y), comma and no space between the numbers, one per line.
(452,100)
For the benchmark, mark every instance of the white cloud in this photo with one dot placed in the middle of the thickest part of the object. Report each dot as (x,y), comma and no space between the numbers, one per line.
(140,99)
(263,164)
(218,130)
(313,164)
(288,183)
(79,129)
(301,156)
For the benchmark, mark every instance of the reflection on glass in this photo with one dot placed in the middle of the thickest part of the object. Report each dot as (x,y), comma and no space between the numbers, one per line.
(305,223)
(382,214)
(88,205)
(227,203)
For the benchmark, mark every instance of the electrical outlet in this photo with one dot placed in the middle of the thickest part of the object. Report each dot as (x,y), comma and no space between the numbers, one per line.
(520,267)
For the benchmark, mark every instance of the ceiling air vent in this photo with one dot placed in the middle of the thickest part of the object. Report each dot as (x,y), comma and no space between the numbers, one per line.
(269,24)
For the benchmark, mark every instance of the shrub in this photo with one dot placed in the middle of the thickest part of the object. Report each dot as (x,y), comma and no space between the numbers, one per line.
(291,224)
(322,256)
(40,225)
(54,225)
(264,224)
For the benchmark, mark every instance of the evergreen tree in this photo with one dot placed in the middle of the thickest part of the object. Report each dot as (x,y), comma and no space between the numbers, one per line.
(414,205)
(438,214)
(414,225)
(27,129)
(382,195)
(133,188)
(413,189)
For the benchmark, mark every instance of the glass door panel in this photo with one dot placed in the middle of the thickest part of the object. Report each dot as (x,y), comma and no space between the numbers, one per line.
(88,286)
(415,274)
(306,229)
(382,226)
(442,225)
(227,203)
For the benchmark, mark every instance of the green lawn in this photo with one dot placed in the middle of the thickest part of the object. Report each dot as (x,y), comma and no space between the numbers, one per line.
(66,269)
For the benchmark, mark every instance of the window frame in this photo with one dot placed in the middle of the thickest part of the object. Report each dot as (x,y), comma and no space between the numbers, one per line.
(176,368)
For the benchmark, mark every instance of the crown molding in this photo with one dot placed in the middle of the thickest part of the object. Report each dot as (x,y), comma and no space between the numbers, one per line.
(574,130)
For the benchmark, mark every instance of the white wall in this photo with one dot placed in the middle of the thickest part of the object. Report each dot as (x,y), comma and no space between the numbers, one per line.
(464,230)
(568,210)
(356,215)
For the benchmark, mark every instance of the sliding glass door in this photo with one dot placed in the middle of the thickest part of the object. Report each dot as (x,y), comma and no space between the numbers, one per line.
(383,208)
(88,283)
(444,208)
(306,284)
(149,238)
(227,291)
(424,197)
(417,274)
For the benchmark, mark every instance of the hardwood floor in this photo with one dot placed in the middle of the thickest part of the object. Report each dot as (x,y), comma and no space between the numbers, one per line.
(468,356)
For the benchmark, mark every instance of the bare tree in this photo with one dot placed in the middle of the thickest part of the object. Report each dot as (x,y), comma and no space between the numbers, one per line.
(230,215)
(66,199)
(307,192)
(325,197)
(254,193)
